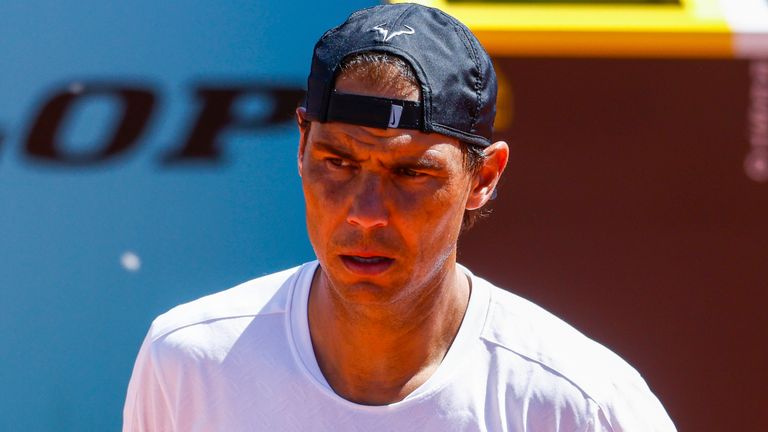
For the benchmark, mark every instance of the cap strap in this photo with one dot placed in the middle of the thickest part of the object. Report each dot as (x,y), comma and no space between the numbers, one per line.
(374,111)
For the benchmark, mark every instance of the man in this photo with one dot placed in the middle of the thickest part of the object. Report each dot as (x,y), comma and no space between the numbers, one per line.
(386,331)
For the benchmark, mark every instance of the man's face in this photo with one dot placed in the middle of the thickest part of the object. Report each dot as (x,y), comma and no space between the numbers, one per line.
(384,208)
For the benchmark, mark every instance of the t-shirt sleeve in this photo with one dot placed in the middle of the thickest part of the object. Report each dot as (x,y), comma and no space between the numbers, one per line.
(147,407)
(634,408)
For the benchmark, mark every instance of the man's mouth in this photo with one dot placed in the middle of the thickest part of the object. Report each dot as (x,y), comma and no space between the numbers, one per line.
(366,265)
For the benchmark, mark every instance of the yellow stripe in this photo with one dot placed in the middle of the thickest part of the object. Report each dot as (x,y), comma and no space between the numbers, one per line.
(694,28)
(611,44)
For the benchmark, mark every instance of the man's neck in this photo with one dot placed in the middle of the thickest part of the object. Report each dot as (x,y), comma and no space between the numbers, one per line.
(376,355)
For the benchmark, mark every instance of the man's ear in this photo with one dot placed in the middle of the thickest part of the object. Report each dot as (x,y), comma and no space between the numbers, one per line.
(304,124)
(487,177)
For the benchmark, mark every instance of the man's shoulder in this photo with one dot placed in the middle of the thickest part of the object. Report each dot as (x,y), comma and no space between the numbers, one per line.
(260,296)
(523,329)
(530,331)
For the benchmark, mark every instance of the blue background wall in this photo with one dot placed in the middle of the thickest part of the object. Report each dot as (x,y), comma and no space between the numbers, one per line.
(72,315)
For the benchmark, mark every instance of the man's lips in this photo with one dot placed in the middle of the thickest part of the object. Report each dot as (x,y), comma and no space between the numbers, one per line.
(368,265)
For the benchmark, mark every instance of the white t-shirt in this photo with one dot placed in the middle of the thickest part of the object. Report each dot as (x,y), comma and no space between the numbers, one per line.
(242,360)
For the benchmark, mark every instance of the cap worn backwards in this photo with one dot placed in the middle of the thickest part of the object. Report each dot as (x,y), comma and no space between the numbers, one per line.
(458,83)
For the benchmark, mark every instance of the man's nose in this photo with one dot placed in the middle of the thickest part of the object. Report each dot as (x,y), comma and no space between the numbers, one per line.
(368,208)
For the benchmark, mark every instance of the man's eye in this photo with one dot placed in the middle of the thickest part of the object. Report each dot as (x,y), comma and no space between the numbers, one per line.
(407,172)
(338,162)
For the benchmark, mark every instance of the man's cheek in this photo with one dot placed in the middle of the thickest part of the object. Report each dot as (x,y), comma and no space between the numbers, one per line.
(328,192)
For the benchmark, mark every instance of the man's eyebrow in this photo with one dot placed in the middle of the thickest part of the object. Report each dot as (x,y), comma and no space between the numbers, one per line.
(330,148)
(424,162)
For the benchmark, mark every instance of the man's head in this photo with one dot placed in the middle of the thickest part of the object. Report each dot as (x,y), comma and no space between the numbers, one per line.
(383,72)
(396,147)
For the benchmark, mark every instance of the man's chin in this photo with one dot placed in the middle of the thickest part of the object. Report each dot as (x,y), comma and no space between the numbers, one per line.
(366,293)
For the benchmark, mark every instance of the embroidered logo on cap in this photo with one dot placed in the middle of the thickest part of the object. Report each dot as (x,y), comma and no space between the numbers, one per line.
(394,116)
(386,35)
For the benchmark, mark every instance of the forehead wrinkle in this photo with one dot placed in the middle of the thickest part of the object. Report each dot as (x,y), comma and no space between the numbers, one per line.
(389,143)
(361,136)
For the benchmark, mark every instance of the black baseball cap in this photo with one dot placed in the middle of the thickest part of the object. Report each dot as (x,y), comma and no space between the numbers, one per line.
(458,83)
